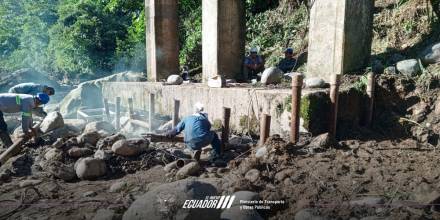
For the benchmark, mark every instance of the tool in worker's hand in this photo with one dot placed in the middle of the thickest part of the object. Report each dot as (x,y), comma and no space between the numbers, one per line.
(16,148)
(161,138)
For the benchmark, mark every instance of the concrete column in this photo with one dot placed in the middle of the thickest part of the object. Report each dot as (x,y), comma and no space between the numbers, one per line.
(223,38)
(162,43)
(340,36)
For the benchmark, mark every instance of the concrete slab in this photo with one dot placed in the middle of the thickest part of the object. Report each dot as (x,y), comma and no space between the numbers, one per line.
(340,36)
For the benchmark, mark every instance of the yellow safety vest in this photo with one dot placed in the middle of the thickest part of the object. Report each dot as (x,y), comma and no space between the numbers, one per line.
(18,101)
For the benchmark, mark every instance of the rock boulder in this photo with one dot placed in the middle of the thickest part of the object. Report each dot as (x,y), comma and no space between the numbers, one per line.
(431,54)
(130,147)
(51,122)
(174,80)
(165,202)
(89,168)
(271,75)
(409,67)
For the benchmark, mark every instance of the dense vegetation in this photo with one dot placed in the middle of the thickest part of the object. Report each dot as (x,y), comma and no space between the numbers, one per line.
(72,38)
(88,38)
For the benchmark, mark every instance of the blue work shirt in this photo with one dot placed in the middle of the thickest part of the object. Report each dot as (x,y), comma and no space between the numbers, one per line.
(13,103)
(196,128)
(248,60)
(287,65)
(27,88)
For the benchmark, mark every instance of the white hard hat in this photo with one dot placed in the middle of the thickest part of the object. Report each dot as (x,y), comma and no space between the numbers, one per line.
(199,107)
(254,50)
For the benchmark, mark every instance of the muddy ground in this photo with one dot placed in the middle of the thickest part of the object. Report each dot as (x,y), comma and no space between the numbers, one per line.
(387,172)
(393,179)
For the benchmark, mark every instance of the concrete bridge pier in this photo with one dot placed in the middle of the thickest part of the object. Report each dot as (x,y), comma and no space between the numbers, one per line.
(162,43)
(340,36)
(223,38)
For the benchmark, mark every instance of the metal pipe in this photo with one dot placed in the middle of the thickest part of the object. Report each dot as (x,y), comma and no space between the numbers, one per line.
(151,111)
(176,112)
(225,127)
(297,82)
(264,128)
(118,113)
(334,99)
(107,110)
(370,93)
(130,108)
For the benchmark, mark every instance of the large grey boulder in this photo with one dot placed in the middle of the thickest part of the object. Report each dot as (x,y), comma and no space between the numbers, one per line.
(165,202)
(174,80)
(51,122)
(87,93)
(409,67)
(102,127)
(130,147)
(271,75)
(89,168)
(431,54)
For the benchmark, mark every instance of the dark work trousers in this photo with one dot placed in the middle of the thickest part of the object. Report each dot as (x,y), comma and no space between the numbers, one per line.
(3,125)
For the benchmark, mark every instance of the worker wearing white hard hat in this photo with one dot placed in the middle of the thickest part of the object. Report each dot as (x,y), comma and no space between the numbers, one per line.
(197,133)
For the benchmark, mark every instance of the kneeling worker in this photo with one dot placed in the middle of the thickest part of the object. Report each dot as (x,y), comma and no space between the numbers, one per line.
(33,89)
(13,103)
(198,134)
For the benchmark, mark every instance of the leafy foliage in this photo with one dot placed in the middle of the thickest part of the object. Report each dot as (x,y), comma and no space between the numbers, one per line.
(76,38)
(276,29)
(190,33)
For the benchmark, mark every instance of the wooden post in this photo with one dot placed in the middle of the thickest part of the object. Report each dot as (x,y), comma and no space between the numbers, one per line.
(118,113)
(151,112)
(130,108)
(225,127)
(264,128)
(107,110)
(334,96)
(370,93)
(297,82)
(176,112)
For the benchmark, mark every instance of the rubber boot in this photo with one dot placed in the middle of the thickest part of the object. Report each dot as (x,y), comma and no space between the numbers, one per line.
(6,139)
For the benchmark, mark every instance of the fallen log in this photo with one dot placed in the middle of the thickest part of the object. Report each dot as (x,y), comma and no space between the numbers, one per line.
(17,147)
(161,138)
(13,150)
